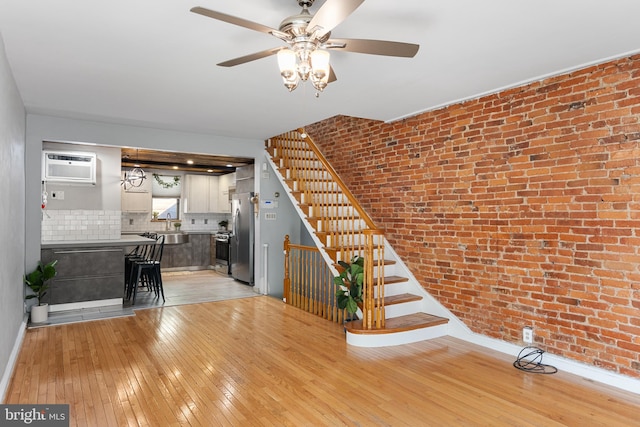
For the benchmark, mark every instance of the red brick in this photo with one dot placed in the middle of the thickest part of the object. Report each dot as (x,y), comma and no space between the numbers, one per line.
(517,207)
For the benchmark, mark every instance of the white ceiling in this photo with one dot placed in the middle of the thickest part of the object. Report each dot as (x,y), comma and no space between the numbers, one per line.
(153,63)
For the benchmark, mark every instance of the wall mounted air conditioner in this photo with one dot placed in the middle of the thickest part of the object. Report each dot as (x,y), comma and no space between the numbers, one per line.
(71,167)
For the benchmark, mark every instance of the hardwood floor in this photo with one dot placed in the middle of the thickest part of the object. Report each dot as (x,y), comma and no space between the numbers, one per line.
(257,361)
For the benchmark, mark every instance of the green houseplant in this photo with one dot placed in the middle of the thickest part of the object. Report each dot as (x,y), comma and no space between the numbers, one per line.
(37,282)
(349,283)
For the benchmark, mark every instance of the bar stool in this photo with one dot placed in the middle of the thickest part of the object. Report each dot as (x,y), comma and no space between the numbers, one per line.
(140,252)
(146,272)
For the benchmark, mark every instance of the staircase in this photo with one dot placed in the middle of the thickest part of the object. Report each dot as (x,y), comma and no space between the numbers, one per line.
(395,310)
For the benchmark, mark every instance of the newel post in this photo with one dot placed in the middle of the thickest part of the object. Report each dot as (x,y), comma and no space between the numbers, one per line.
(373,283)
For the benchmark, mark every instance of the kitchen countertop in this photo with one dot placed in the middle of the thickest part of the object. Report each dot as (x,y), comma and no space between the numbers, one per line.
(128,233)
(124,240)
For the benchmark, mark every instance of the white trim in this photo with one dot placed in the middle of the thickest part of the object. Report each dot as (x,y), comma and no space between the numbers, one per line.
(589,372)
(85,304)
(13,358)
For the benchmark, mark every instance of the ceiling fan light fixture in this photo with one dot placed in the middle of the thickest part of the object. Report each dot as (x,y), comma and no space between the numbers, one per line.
(320,63)
(304,64)
(320,69)
(287,63)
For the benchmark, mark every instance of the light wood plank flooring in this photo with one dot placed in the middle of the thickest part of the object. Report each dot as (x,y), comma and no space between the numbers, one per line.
(257,361)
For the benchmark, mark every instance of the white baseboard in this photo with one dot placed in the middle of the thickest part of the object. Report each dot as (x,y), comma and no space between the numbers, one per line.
(583,370)
(13,358)
(85,304)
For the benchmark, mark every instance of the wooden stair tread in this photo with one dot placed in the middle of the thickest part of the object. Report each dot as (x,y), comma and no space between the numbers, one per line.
(375,262)
(400,299)
(389,280)
(409,322)
(336,218)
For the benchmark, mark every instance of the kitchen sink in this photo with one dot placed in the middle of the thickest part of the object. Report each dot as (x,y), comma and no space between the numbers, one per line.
(174,237)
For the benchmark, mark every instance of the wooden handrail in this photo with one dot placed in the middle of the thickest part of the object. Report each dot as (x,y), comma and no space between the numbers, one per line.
(342,224)
(363,214)
(308,282)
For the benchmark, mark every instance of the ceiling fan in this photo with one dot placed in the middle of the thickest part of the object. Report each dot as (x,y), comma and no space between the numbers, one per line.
(309,42)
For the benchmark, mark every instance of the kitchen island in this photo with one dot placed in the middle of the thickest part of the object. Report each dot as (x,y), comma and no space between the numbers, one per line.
(90,272)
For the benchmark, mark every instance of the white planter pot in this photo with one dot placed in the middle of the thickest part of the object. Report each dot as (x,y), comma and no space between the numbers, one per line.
(39,313)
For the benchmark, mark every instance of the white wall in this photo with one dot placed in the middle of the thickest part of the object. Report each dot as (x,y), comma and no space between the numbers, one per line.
(105,195)
(12,222)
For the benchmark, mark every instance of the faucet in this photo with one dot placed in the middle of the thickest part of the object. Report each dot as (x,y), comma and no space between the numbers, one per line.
(168,221)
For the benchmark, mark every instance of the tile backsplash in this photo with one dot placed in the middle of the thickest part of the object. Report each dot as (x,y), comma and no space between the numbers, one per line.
(138,222)
(80,225)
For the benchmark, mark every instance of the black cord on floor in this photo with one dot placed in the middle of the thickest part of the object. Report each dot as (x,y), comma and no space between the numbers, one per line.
(530,360)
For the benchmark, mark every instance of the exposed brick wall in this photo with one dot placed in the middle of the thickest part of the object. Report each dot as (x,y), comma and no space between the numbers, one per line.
(519,208)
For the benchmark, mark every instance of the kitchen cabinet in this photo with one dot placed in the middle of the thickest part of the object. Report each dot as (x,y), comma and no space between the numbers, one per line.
(136,199)
(207,194)
(224,200)
(195,253)
(85,274)
(198,194)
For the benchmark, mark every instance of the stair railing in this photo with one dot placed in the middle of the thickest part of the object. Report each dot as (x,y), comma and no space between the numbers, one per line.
(346,229)
(308,282)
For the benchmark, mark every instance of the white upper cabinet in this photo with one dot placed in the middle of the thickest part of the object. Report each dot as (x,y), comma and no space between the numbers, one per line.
(207,194)
(224,202)
(198,191)
(136,199)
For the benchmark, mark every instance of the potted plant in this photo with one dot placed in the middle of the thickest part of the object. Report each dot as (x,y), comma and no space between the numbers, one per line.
(155,215)
(223,224)
(349,283)
(37,282)
(177,225)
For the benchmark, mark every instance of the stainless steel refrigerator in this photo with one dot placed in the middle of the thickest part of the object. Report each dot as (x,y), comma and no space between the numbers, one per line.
(242,239)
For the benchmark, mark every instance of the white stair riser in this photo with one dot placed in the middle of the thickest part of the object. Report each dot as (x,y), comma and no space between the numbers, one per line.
(397,310)
(341,226)
(296,153)
(330,198)
(318,186)
(333,211)
(302,164)
(394,289)
(348,239)
(306,175)
(399,338)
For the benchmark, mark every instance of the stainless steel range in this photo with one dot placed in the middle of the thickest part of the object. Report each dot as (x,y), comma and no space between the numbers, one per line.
(223,241)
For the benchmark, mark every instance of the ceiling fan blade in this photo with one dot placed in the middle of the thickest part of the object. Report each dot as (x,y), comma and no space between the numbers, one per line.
(374,47)
(332,75)
(234,20)
(332,13)
(249,58)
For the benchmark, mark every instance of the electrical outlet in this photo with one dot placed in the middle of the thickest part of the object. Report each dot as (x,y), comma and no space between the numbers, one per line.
(527,334)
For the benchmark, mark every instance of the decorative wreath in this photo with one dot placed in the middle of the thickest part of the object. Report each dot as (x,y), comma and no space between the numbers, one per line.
(165,184)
